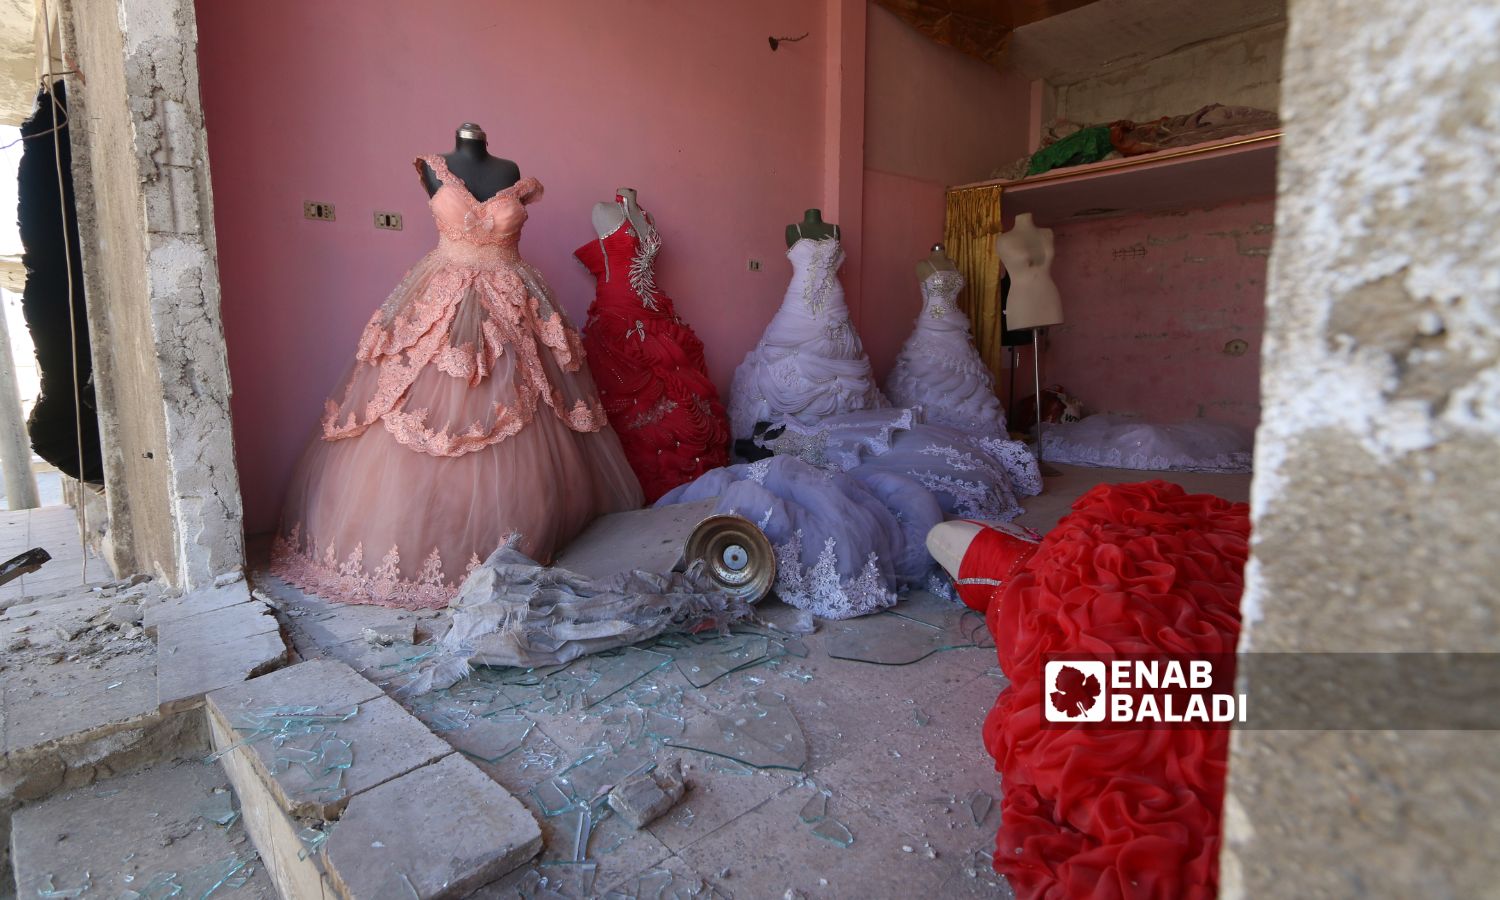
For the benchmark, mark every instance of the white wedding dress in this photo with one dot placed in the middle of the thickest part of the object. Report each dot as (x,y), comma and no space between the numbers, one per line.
(939,368)
(1120,442)
(809,363)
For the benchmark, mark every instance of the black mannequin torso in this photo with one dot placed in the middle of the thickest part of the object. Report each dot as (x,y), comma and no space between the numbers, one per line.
(812,226)
(484,175)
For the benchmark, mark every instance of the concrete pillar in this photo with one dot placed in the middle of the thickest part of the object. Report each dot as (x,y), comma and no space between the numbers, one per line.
(15,449)
(145,210)
(1376,498)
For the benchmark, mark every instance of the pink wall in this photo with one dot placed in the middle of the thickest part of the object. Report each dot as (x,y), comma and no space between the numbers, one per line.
(331,100)
(933,118)
(1150,303)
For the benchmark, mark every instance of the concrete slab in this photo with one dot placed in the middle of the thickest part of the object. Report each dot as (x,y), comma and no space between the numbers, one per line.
(196,603)
(292,865)
(440,831)
(313,683)
(151,828)
(189,670)
(208,628)
(384,740)
(37,716)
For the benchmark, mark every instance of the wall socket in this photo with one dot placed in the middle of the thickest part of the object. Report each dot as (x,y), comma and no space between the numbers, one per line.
(388,220)
(314,210)
(753,265)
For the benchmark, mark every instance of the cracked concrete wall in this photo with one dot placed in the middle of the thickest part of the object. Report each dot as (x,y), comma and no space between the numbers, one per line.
(145,214)
(1378,456)
(1238,70)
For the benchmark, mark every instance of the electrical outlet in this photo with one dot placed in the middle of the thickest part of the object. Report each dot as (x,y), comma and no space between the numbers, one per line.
(388,220)
(320,211)
(753,265)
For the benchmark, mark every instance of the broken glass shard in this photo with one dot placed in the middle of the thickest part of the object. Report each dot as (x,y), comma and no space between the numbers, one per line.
(596,773)
(834,832)
(816,807)
(886,639)
(703,663)
(46,889)
(979,804)
(756,729)
(491,738)
(573,827)
(616,670)
(553,796)
(567,879)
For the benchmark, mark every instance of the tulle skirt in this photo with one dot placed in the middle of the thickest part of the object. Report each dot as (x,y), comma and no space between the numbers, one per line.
(469,416)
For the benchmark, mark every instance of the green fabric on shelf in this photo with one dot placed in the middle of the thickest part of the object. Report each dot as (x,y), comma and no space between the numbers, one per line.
(1086,146)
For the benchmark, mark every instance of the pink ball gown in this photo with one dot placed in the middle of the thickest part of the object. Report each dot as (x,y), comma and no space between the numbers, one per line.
(469,415)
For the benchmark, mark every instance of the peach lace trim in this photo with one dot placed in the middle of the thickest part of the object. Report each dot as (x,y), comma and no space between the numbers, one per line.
(349,582)
(421,335)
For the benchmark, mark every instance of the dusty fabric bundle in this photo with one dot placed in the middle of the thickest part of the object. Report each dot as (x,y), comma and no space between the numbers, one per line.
(512,611)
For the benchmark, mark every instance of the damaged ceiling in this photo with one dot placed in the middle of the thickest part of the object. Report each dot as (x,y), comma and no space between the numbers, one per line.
(1063,41)
(980,28)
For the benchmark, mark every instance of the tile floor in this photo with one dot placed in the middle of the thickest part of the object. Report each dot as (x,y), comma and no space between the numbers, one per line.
(54,529)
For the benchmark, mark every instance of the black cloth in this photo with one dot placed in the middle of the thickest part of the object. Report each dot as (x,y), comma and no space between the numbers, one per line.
(54,425)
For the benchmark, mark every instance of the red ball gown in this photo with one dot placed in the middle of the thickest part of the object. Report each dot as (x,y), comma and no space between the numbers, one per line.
(1135,571)
(649,365)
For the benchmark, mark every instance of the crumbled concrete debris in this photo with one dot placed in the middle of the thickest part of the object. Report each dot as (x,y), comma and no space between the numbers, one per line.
(378,638)
(228,578)
(641,798)
(126,614)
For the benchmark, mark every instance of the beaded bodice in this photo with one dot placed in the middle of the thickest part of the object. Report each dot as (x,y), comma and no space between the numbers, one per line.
(939,293)
(816,264)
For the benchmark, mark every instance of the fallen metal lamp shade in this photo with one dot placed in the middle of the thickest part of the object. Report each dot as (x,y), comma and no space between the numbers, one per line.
(736,554)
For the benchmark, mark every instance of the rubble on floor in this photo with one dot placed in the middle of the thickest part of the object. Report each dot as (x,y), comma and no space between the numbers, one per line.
(798,738)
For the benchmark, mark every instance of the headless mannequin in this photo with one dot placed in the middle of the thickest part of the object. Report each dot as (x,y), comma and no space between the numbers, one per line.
(610,214)
(812,227)
(484,175)
(936,261)
(1026,251)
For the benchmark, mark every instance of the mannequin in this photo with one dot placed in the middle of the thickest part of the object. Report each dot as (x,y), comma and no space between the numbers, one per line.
(936,261)
(981,556)
(608,215)
(949,541)
(1026,251)
(484,175)
(812,227)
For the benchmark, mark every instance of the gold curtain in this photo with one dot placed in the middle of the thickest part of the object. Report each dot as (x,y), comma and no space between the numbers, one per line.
(971,225)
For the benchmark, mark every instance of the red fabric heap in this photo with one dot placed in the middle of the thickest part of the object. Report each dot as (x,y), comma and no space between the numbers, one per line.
(1135,569)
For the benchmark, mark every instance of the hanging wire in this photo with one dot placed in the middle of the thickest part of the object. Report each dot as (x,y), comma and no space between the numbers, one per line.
(48,84)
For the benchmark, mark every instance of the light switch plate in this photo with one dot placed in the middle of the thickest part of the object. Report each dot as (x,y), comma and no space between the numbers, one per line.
(389,221)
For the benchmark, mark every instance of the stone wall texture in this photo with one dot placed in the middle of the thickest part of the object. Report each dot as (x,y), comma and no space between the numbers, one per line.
(1238,70)
(1378,456)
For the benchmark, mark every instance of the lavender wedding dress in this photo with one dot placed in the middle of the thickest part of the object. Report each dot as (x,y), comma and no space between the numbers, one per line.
(468,416)
(847,502)
(809,363)
(939,369)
